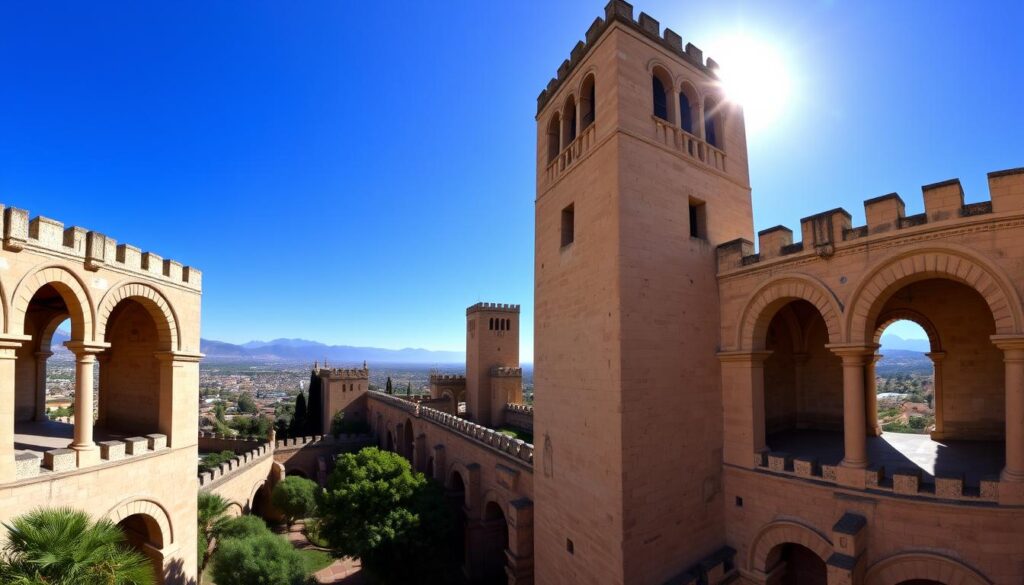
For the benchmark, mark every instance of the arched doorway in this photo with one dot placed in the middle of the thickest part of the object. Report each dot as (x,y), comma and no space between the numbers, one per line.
(133,396)
(390,442)
(143,534)
(44,369)
(495,542)
(456,494)
(803,382)
(943,409)
(407,440)
(259,504)
(796,564)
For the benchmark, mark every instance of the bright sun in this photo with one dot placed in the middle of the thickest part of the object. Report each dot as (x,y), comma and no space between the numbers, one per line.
(754,74)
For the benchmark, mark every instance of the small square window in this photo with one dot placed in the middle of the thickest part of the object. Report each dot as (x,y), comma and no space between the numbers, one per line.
(698,220)
(739,502)
(568,225)
(568,546)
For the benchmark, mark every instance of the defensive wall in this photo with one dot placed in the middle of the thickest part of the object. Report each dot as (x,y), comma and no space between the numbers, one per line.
(800,328)
(135,316)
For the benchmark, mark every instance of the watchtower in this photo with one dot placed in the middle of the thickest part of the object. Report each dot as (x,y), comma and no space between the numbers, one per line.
(641,173)
(492,343)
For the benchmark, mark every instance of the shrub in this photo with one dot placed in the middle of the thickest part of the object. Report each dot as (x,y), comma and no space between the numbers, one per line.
(295,497)
(258,560)
(242,527)
(211,461)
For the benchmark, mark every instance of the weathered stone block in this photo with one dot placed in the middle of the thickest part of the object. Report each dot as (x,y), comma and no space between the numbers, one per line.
(949,487)
(156,441)
(27,464)
(990,488)
(780,461)
(112,450)
(828,472)
(907,481)
(60,459)
(136,445)
(806,466)
(875,475)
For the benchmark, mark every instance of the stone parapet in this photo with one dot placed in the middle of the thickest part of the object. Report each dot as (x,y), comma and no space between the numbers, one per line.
(493,307)
(448,379)
(622,12)
(904,482)
(94,249)
(519,416)
(506,372)
(517,449)
(362,373)
(208,479)
(823,233)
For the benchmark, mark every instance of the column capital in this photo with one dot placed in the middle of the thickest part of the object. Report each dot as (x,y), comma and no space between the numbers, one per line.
(179,356)
(86,348)
(1008,342)
(936,356)
(13,341)
(853,352)
(744,356)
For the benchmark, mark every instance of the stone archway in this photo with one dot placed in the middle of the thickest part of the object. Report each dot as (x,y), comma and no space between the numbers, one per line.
(949,262)
(152,300)
(913,567)
(783,532)
(775,293)
(71,289)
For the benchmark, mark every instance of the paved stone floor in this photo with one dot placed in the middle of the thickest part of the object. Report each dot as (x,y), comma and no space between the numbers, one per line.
(344,571)
(46,435)
(975,459)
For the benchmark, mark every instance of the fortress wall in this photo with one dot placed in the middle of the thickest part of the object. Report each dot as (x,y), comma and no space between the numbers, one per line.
(983,538)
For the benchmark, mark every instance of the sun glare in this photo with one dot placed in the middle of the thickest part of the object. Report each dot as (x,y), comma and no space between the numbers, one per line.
(754,74)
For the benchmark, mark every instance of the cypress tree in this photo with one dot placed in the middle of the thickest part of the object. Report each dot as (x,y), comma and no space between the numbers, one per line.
(315,406)
(387,387)
(300,423)
(408,389)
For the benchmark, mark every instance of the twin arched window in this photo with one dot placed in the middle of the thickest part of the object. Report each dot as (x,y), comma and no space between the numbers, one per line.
(573,118)
(689,113)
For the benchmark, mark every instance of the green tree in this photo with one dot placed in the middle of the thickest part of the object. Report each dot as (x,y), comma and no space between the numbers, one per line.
(62,546)
(395,520)
(258,560)
(408,389)
(338,424)
(219,410)
(387,387)
(295,497)
(246,404)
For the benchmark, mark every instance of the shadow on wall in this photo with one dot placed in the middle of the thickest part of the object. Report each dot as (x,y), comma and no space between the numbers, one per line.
(174,574)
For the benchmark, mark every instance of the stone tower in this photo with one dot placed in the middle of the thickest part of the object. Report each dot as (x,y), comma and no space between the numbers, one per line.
(641,173)
(492,346)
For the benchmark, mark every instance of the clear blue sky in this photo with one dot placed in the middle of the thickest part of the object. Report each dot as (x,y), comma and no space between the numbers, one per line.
(360,173)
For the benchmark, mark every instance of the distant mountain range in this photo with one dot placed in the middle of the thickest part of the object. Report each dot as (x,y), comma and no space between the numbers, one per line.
(890,341)
(292,350)
(301,350)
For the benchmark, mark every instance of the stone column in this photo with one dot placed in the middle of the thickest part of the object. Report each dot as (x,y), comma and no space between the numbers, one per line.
(179,397)
(743,388)
(40,409)
(85,360)
(871,397)
(673,107)
(855,457)
(937,357)
(8,358)
(1013,360)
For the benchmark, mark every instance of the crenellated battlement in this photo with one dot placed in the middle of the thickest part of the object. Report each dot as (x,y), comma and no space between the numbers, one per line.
(448,379)
(622,12)
(506,372)
(822,233)
(95,249)
(362,373)
(492,307)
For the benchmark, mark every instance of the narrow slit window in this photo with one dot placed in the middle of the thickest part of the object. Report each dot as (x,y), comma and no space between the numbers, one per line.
(698,221)
(568,225)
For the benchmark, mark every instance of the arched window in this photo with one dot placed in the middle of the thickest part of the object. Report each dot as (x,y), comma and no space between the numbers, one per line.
(687,102)
(553,135)
(660,99)
(588,110)
(569,128)
(712,122)
(491,324)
